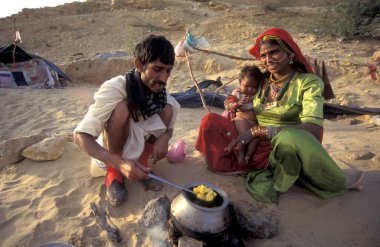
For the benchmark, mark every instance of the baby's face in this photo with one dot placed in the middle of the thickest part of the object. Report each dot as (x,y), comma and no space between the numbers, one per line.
(248,85)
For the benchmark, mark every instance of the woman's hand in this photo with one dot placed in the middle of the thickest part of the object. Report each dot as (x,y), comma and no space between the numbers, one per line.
(244,138)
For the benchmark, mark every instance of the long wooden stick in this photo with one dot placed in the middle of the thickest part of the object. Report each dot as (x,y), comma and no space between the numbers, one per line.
(14,44)
(221,87)
(196,83)
(221,54)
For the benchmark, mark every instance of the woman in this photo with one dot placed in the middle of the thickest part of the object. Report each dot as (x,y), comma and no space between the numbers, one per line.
(289,110)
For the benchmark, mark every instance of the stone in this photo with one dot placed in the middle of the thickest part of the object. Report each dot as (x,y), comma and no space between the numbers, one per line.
(189,242)
(154,220)
(50,148)
(349,103)
(376,57)
(376,159)
(11,150)
(363,155)
(376,120)
(156,212)
(253,222)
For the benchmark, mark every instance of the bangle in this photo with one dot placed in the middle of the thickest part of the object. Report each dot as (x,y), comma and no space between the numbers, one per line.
(258,131)
(272,131)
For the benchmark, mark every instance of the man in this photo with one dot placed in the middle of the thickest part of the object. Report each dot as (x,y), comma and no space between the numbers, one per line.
(134,116)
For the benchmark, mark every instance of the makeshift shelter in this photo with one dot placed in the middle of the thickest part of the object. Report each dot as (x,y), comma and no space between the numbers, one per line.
(20,68)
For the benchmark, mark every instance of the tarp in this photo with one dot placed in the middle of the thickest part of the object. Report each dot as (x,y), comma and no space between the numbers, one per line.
(191,99)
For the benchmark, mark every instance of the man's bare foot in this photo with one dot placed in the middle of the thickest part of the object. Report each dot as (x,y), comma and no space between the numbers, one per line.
(152,184)
(354,179)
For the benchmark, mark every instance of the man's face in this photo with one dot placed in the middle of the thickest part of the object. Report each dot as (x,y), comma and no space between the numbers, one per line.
(155,74)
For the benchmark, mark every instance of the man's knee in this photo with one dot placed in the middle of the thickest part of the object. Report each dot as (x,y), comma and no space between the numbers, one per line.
(166,114)
(116,130)
(120,114)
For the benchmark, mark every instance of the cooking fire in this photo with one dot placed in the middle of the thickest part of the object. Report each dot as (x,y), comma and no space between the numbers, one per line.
(213,222)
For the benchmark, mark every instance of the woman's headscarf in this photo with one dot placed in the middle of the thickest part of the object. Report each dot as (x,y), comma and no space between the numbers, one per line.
(287,39)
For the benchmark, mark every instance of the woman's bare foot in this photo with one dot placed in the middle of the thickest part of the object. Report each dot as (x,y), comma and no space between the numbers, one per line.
(354,179)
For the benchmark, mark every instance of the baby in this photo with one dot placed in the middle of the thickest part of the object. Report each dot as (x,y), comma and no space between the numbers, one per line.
(240,104)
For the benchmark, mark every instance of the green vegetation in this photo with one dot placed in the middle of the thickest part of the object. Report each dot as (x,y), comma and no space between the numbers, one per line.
(356,18)
(345,18)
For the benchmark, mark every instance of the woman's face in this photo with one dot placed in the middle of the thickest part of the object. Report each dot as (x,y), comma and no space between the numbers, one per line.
(274,58)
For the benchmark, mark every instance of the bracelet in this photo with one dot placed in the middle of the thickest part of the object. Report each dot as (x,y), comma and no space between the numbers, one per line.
(272,131)
(258,131)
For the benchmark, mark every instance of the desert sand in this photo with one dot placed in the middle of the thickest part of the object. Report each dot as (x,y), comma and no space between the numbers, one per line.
(49,201)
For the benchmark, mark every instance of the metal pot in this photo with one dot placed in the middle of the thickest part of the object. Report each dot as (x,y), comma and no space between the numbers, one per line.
(199,221)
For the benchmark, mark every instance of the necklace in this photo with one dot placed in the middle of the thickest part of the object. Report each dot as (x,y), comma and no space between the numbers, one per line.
(277,85)
(276,88)
(280,90)
(279,81)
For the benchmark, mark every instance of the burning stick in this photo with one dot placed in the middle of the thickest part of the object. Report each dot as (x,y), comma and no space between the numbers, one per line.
(113,233)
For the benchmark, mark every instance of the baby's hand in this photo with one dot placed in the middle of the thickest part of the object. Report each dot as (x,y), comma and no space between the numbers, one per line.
(244,101)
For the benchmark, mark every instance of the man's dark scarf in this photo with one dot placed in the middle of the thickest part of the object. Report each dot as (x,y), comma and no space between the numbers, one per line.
(138,101)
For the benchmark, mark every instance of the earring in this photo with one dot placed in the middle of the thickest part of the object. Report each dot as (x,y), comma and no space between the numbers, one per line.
(291,59)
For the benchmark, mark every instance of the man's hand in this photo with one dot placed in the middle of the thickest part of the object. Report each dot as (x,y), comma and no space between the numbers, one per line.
(160,148)
(133,170)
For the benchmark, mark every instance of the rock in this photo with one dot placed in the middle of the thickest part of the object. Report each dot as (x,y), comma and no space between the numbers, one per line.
(154,220)
(50,148)
(376,57)
(189,242)
(376,159)
(363,155)
(253,222)
(376,120)
(97,70)
(11,150)
(370,125)
(349,103)
(156,212)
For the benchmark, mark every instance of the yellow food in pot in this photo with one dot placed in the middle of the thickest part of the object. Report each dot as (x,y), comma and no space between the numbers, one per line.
(204,193)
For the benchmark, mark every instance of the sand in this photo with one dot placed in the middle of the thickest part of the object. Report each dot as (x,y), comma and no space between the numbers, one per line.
(49,201)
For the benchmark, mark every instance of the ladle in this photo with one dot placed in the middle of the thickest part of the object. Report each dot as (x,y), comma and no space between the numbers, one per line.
(151,175)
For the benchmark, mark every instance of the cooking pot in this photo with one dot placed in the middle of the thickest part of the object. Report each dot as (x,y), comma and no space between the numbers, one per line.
(200,220)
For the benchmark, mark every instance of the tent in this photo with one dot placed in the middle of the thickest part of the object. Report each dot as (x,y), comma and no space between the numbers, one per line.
(20,68)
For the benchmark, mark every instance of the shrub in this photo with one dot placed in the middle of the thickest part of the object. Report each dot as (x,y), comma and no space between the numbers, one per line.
(355,18)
